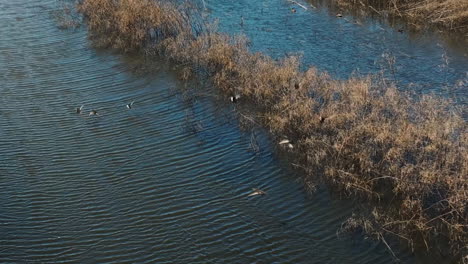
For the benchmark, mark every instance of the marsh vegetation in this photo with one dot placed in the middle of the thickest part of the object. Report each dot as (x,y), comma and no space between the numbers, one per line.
(448,14)
(406,155)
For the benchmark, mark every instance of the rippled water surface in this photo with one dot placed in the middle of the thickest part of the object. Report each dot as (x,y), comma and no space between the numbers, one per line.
(165,182)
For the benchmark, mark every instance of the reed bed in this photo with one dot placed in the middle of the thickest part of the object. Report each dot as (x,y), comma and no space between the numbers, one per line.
(405,155)
(448,14)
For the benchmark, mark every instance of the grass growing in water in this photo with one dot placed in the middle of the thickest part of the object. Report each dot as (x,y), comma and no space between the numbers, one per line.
(361,136)
(449,14)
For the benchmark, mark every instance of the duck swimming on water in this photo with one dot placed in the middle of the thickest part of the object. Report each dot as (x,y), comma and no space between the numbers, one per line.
(78,109)
(234,98)
(93,112)
(287,143)
(322,119)
(256,191)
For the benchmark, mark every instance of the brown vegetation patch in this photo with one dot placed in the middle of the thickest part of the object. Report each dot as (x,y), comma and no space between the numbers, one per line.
(449,14)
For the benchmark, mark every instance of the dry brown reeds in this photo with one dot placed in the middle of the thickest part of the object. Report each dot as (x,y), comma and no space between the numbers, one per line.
(362,136)
(449,14)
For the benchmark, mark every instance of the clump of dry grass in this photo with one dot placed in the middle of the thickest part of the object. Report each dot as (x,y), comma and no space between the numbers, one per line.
(130,25)
(450,14)
(361,136)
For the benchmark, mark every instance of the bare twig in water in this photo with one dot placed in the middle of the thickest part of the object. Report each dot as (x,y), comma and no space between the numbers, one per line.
(253,143)
(299,4)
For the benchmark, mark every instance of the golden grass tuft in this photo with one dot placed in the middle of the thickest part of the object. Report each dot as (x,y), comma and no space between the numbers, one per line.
(448,14)
(361,136)
(452,14)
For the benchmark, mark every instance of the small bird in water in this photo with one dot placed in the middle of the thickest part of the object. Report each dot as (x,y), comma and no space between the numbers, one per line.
(400,30)
(234,98)
(322,119)
(339,15)
(293,10)
(287,143)
(256,191)
(78,109)
(93,112)
(129,106)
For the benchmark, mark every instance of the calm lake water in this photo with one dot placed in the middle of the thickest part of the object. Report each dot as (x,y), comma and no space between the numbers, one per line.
(165,182)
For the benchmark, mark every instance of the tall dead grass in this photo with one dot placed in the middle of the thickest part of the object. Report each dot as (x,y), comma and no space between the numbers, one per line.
(449,14)
(361,136)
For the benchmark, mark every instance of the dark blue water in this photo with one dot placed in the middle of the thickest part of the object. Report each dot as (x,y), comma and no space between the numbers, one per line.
(165,182)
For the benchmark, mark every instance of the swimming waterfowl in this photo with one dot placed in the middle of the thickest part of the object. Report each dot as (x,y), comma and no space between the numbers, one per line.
(93,112)
(78,109)
(129,106)
(322,119)
(287,143)
(256,191)
(339,15)
(293,10)
(234,98)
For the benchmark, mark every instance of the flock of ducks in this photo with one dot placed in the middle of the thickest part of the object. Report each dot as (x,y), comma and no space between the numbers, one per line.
(94,112)
(234,99)
(284,142)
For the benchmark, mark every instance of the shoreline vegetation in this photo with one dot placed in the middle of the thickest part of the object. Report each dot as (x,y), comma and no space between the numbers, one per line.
(404,156)
(451,15)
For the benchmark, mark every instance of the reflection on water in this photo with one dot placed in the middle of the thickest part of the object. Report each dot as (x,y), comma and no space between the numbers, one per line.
(165,182)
